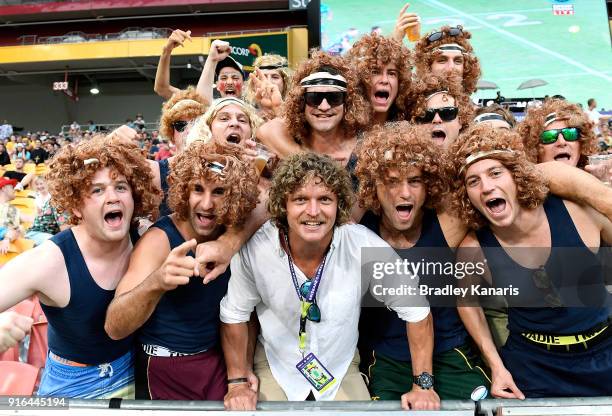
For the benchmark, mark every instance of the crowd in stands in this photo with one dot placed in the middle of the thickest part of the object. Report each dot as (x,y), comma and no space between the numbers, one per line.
(274,195)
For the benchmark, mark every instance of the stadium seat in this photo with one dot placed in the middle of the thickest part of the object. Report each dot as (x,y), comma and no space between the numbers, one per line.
(29,168)
(17,378)
(41,169)
(15,248)
(37,351)
(9,167)
(26,193)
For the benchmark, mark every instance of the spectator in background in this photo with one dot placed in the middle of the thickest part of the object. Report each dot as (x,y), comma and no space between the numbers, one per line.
(21,152)
(10,145)
(5,159)
(50,148)
(499,98)
(38,154)
(153,149)
(19,175)
(496,115)
(130,123)
(139,123)
(48,221)
(75,129)
(595,116)
(9,215)
(164,151)
(6,130)
(91,127)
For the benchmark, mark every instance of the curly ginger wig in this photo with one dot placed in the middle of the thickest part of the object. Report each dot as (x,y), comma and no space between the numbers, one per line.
(531,186)
(425,55)
(72,169)
(299,169)
(183,105)
(356,109)
(431,84)
(372,51)
(398,146)
(239,180)
(533,125)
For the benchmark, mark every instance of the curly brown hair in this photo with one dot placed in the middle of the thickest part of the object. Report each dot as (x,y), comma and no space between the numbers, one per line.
(531,186)
(430,84)
(372,51)
(239,179)
(69,177)
(295,171)
(533,125)
(424,56)
(497,109)
(184,104)
(356,110)
(401,146)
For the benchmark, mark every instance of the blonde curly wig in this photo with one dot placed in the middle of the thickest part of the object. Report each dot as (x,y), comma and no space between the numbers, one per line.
(183,105)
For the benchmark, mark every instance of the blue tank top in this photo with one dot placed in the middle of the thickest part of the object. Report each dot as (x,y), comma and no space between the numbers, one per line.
(164,171)
(387,330)
(559,267)
(186,319)
(76,331)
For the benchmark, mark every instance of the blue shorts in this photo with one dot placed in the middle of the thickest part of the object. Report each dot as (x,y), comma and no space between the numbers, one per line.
(541,373)
(104,381)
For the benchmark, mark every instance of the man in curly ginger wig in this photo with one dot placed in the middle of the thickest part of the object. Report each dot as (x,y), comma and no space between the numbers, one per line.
(384,68)
(440,103)
(401,182)
(448,50)
(103,183)
(302,271)
(498,192)
(211,187)
(323,111)
(574,140)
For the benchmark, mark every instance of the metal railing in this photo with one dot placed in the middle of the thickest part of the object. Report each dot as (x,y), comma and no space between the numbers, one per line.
(130,33)
(489,407)
(106,127)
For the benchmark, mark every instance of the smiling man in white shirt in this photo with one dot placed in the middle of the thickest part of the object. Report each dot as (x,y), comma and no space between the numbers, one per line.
(302,271)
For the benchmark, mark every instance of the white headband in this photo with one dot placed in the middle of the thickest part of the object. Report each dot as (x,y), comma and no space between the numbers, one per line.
(216,167)
(435,93)
(549,119)
(184,103)
(450,47)
(489,116)
(324,79)
(482,155)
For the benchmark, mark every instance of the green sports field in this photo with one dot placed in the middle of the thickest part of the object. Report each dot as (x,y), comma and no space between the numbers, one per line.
(516,40)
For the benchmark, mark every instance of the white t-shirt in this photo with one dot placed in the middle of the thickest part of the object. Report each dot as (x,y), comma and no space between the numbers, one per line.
(261,279)
(594,116)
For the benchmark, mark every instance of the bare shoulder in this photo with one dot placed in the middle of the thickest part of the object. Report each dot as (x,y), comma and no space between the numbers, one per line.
(470,240)
(44,261)
(453,228)
(149,254)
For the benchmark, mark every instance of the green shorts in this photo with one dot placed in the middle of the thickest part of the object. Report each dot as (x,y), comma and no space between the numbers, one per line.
(456,374)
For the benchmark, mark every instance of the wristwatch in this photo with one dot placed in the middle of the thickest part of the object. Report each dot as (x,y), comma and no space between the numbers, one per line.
(424,380)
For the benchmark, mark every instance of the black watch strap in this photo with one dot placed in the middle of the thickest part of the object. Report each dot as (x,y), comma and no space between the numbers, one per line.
(424,380)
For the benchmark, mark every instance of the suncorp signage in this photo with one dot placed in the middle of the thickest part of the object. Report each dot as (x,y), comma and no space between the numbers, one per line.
(246,48)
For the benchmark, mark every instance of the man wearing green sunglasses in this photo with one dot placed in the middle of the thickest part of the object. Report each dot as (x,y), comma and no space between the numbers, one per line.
(558,130)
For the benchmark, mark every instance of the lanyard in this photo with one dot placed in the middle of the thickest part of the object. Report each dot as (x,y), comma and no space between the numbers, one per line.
(305,302)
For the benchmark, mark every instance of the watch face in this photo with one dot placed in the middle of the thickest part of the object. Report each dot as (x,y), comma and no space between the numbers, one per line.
(425,381)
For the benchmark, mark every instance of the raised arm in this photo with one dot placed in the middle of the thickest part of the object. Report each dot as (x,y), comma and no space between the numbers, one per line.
(405,21)
(275,136)
(162,77)
(219,50)
(577,185)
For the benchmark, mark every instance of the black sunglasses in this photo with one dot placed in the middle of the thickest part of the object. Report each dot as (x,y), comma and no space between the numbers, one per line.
(542,282)
(334,98)
(445,113)
(180,125)
(453,31)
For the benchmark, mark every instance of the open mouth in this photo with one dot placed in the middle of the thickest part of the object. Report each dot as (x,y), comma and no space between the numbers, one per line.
(496,205)
(563,157)
(381,97)
(233,138)
(113,218)
(230,92)
(404,210)
(438,136)
(205,220)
